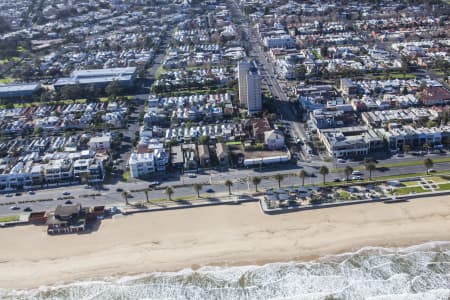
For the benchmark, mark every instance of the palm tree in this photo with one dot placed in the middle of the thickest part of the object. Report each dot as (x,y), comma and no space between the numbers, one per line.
(256,180)
(348,171)
(324,171)
(302,175)
(370,167)
(125,196)
(229,184)
(428,162)
(169,192)
(146,195)
(279,178)
(197,188)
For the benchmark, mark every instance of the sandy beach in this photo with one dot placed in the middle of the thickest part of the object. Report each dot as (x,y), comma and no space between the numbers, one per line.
(220,235)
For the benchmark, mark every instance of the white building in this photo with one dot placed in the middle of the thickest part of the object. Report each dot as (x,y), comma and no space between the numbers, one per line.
(141,164)
(274,139)
(249,87)
(100,142)
(279,41)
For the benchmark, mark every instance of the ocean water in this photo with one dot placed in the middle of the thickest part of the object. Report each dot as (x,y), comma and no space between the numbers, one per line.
(419,272)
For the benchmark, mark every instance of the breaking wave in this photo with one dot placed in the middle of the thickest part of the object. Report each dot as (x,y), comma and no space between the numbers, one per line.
(419,272)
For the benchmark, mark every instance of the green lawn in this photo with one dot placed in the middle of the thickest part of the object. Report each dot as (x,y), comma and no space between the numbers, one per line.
(233,143)
(316,54)
(345,195)
(402,76)
(185,198)
(159,72)
(409,190)
(126,176)
(410,183)
(6,80)
(9,219)
(438,179)
(444,187)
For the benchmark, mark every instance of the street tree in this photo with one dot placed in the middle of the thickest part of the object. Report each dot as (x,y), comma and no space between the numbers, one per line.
(428,163)
(302,175)
(348,171)
(229,184)
(197,188)
(146,195)
(256,181)
(125,196)
(370,167)
(113,89)
(169,192)
(324,171)
(279,178)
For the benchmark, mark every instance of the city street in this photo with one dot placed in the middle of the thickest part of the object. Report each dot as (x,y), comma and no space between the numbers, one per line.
(110,196)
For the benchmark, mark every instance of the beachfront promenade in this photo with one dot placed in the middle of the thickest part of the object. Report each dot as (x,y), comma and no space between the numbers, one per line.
(303,198)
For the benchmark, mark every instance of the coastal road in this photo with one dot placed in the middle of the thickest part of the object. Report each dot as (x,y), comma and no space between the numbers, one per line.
(110,196)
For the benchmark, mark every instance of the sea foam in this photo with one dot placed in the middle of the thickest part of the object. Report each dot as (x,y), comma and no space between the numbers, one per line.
(417,272)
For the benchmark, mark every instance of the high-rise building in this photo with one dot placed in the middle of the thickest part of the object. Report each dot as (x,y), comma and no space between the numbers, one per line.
(249,87)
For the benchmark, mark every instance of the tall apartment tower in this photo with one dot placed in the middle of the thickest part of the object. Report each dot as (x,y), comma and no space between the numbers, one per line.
(249,87)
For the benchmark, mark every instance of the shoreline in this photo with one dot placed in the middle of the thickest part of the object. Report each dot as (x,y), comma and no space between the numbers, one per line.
(225,236)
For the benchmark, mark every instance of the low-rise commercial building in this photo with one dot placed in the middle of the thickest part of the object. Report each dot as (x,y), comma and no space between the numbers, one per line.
(99,78)
(355,141)
(19,90)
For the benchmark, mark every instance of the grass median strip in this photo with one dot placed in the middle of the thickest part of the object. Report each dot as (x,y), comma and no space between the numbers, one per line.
(7,219)
(399,164)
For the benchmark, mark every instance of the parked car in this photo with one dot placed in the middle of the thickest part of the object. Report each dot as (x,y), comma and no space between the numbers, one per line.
(9,195)
(119,190)
(31,192)
(341,160)
(27,209)
(357,173)
(87,187)
(154,183)
(18,194)
(68,202)
(191,175)
(15,207)
(431,170)
(210,190)
(66,193)
(357,178)
(337,180)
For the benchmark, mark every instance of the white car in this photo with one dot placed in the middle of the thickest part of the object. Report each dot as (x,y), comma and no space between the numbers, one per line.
(357,178)
(431,170)
(340,160)
(357,173)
